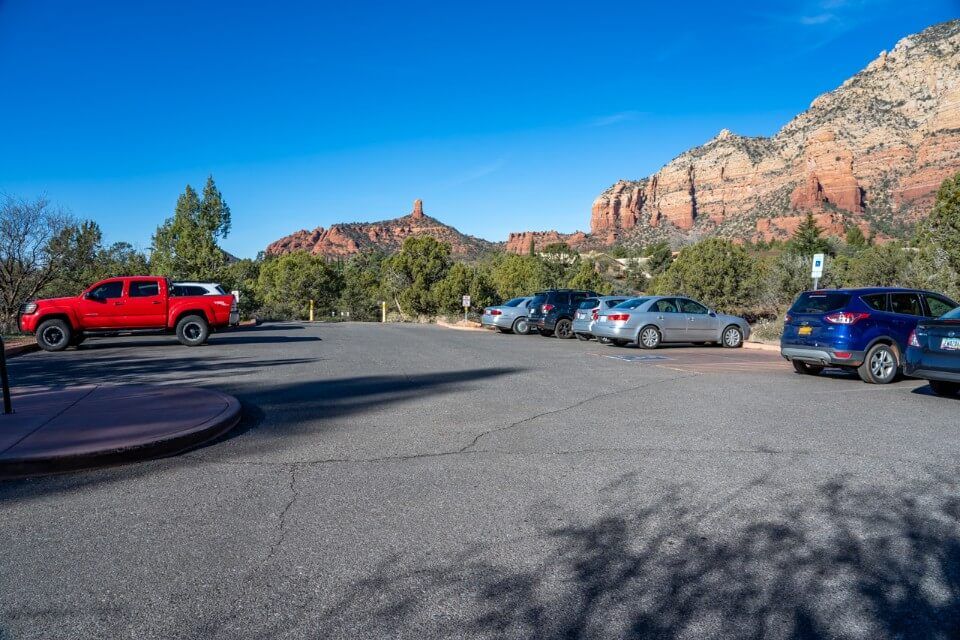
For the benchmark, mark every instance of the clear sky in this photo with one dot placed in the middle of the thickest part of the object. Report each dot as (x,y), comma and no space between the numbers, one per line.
(501,115)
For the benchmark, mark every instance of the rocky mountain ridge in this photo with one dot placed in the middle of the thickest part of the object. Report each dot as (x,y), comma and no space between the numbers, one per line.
(346,239)
(870,153)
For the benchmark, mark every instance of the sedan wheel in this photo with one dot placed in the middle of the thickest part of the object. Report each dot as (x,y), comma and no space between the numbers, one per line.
(521,326)
(649,338)
(732,337)
(880,366)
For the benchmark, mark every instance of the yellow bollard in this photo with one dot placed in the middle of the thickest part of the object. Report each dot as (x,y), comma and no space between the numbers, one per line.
(311,311)
(383,311)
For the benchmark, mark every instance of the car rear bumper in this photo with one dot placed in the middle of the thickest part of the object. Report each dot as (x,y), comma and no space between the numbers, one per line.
(543,324)
(583,326)
(821,355)
(615,332)
(915,371)
(504,322)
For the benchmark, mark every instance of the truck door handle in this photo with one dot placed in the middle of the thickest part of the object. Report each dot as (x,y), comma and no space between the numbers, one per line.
(156,302)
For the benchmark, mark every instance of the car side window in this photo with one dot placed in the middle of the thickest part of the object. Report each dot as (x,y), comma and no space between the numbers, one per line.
(906,304)
(876,301)
(108,290)
(689,306)
(577,298)
(665,306)
(937,305)
(144,288)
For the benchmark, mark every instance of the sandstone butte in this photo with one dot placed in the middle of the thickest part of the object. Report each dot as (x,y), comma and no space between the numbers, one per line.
(870,153)
(343,240)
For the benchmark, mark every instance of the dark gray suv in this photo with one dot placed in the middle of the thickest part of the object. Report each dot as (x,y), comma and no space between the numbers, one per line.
(551,312)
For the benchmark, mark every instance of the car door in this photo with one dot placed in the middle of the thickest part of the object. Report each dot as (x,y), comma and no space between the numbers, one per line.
(673,324)
(905,311)
(701,326)
(101,306)
(143,306)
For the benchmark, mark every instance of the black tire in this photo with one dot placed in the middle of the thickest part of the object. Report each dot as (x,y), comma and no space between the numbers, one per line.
(583,337)
(546,333)
(946,389)
(564,329)
(806,368)
(192,331)
(521,327)
(880,366)
(732,337)
(54,335)
(620,343)
(649,337)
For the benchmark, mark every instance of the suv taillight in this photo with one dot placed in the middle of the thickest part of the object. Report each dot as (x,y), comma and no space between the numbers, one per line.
(912,340)
(547,307)
(594,315)
(618,317)
(846,317)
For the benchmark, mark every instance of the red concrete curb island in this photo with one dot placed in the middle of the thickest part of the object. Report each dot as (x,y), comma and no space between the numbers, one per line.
(57,430)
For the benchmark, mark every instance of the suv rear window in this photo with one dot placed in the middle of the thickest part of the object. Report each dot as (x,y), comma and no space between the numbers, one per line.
(817,302)
(876,301)
(589,303)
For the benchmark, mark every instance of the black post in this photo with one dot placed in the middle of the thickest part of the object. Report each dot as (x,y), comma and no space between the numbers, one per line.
(7,405)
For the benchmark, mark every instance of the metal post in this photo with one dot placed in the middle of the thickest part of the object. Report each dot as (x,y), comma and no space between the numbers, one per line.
(4,380)
(311,311)
(816,283)
(383,311)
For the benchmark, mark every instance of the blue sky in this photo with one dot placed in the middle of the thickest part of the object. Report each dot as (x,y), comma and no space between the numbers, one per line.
(501,116)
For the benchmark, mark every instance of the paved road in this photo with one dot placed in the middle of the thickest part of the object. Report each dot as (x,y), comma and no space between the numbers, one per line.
(418,482)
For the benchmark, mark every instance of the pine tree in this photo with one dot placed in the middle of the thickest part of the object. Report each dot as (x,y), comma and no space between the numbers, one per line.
(533,247)
(808,239)
(186,245)
(942,229)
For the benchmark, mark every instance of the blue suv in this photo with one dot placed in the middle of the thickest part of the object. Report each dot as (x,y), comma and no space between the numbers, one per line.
(862,330)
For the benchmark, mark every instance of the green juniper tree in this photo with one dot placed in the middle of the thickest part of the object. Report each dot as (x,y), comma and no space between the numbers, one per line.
(185,247)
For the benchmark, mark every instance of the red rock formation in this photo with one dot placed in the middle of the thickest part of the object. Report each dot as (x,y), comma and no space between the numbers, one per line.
(520,242)
(876,147)
(344,240)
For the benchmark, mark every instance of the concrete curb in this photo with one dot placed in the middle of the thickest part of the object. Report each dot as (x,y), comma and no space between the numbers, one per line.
(761,346)
(447,325)
(51,461)
(20,349)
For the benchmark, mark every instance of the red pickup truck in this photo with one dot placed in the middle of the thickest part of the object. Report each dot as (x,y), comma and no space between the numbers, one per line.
(124,305)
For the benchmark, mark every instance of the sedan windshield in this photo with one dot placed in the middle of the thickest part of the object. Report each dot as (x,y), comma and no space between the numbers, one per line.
(589,303)
(633,303)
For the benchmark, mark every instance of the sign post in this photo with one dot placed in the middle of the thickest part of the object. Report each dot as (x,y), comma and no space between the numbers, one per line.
(816,271)
(466,306)
(4,380)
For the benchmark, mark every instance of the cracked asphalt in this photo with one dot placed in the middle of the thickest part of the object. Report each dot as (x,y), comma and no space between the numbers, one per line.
(405,481)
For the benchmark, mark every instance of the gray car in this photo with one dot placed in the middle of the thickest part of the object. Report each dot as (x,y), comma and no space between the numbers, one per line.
(511,316)
(587,312)
(652,320)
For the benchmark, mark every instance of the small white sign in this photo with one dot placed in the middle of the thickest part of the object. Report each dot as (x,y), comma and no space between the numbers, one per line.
(817,270)
(466,302)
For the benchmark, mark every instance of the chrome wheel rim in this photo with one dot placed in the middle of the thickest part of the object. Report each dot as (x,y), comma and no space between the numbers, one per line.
(52,336)
(192,331)
(649,338)
(521,326)
(732,337)
(882,364)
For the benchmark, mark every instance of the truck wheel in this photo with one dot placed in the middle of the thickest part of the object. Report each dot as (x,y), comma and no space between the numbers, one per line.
(54,335)
(192,331)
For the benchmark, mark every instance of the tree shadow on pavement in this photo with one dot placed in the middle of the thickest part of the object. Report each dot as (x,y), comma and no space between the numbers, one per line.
(840,559)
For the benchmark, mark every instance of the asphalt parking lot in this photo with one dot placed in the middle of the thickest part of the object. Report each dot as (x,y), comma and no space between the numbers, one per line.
(405,481)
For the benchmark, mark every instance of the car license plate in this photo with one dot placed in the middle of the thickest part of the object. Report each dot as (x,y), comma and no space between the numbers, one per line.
(950,344)
(805,331)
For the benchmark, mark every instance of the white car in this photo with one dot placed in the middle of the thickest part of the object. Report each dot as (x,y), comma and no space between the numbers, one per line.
(206,289)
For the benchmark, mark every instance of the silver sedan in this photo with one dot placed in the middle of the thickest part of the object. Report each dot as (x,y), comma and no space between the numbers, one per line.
(652,320)
(511,316)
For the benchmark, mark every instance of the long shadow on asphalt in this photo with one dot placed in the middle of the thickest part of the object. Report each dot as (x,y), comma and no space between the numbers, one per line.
(272,416)
(841,559)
